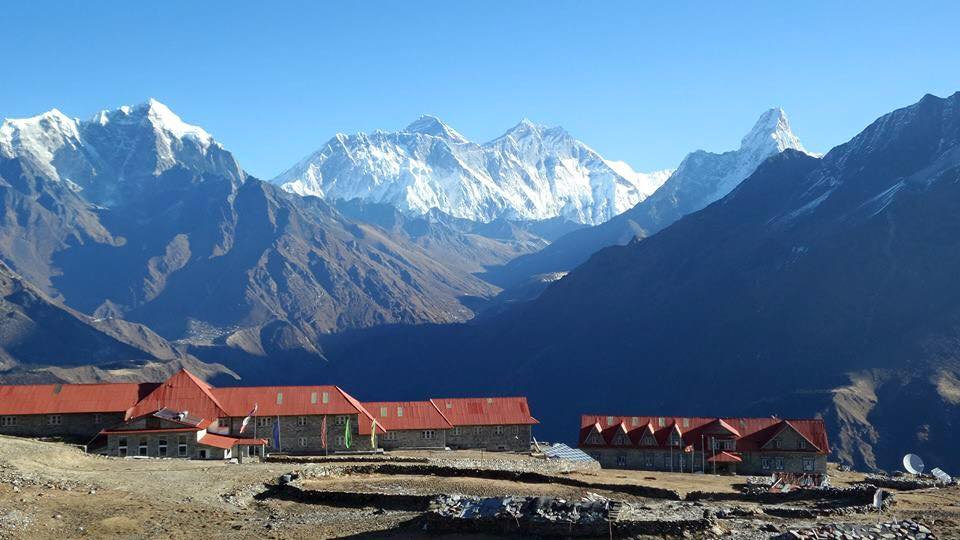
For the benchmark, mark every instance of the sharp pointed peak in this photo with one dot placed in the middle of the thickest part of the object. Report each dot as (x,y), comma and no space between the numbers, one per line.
(772,128)
(158,114)
(429,124)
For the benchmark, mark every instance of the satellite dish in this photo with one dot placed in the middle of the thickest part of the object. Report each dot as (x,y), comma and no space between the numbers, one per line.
(913,464)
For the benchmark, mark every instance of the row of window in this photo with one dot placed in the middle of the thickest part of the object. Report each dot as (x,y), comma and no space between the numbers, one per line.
(52,420)
(635,421)
(776,464)
(478,430)
(324,396)
(143,446)
(267,421)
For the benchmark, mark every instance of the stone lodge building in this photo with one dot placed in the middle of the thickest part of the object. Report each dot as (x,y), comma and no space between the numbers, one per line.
(755,446)
(186,417)
(491,423)
(410,424)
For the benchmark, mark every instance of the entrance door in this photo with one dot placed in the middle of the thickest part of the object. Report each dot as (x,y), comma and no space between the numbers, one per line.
(202,454)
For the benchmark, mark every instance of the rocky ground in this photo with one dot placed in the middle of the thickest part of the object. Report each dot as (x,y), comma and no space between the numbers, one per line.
(52,490)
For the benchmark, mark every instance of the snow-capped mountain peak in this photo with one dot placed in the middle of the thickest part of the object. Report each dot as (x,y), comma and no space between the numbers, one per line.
(431,125)
(530,172)
(113,147)
(771,134)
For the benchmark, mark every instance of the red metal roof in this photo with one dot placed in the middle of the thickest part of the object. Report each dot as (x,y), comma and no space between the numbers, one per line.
(485,411)
(181,392)
(70,398)
(401,415)
(222,441)
(292,401)
(750,433)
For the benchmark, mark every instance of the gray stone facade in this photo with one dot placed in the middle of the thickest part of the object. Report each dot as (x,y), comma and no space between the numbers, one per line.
(513,438)
(763,462)
(413,438)
(175,444)
(301,434)
(79,426)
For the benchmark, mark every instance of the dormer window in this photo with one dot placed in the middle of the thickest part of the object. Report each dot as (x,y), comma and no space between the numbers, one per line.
(399,411)
(609,420)
(383,412)
(635,421)
(313,398)
(662,421)
(686,422)
(326,397)
(802,444)
(279,398)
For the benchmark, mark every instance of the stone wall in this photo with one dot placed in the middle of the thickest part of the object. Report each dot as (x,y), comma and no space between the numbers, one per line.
(81,426)
(413,438)
(514,438)
(153,440)
(301,434)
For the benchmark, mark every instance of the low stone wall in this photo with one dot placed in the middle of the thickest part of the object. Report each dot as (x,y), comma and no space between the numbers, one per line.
(512,476)
(437,524)
(900,483)
(347,499)
(854,495)
(339,458)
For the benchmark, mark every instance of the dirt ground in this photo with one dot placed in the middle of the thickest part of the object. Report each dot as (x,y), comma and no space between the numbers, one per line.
(52,490)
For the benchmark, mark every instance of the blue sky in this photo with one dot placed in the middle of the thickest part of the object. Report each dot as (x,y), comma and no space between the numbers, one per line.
(645,82)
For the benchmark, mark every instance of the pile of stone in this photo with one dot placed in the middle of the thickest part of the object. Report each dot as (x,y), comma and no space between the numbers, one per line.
(547,509)
(901,481)
(891,530)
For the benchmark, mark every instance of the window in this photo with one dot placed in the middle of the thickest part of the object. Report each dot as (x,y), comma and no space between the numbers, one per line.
(391,436)
(456,431)
(808,464)
(427,434)
(279,398)
(449,404)
(264,421)
(182,445)
(778,443)
(301,420)
(339,440)
(686,422)
(383,412)
(489,400)
(326,397)
(802,444)
(498,430)
(142,449)
(516,430)
(122,446)
(302,441)
(162,448)
(765,463)
(54,419)
(399,412)
(728,444)
(778,463)
(313,397)
(609,420)
(648,459)
(340,420)
(662,421)
(97,418)
(8,421)
(674,439)
(621,460)
(635,421)
(478,430)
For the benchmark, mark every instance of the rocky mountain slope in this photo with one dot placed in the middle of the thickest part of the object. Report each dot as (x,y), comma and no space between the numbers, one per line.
(816,286)
(42,340)
(135,214)
(702,178)
(529,173)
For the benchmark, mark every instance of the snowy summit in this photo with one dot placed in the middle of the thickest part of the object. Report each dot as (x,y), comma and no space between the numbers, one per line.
(531,172)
